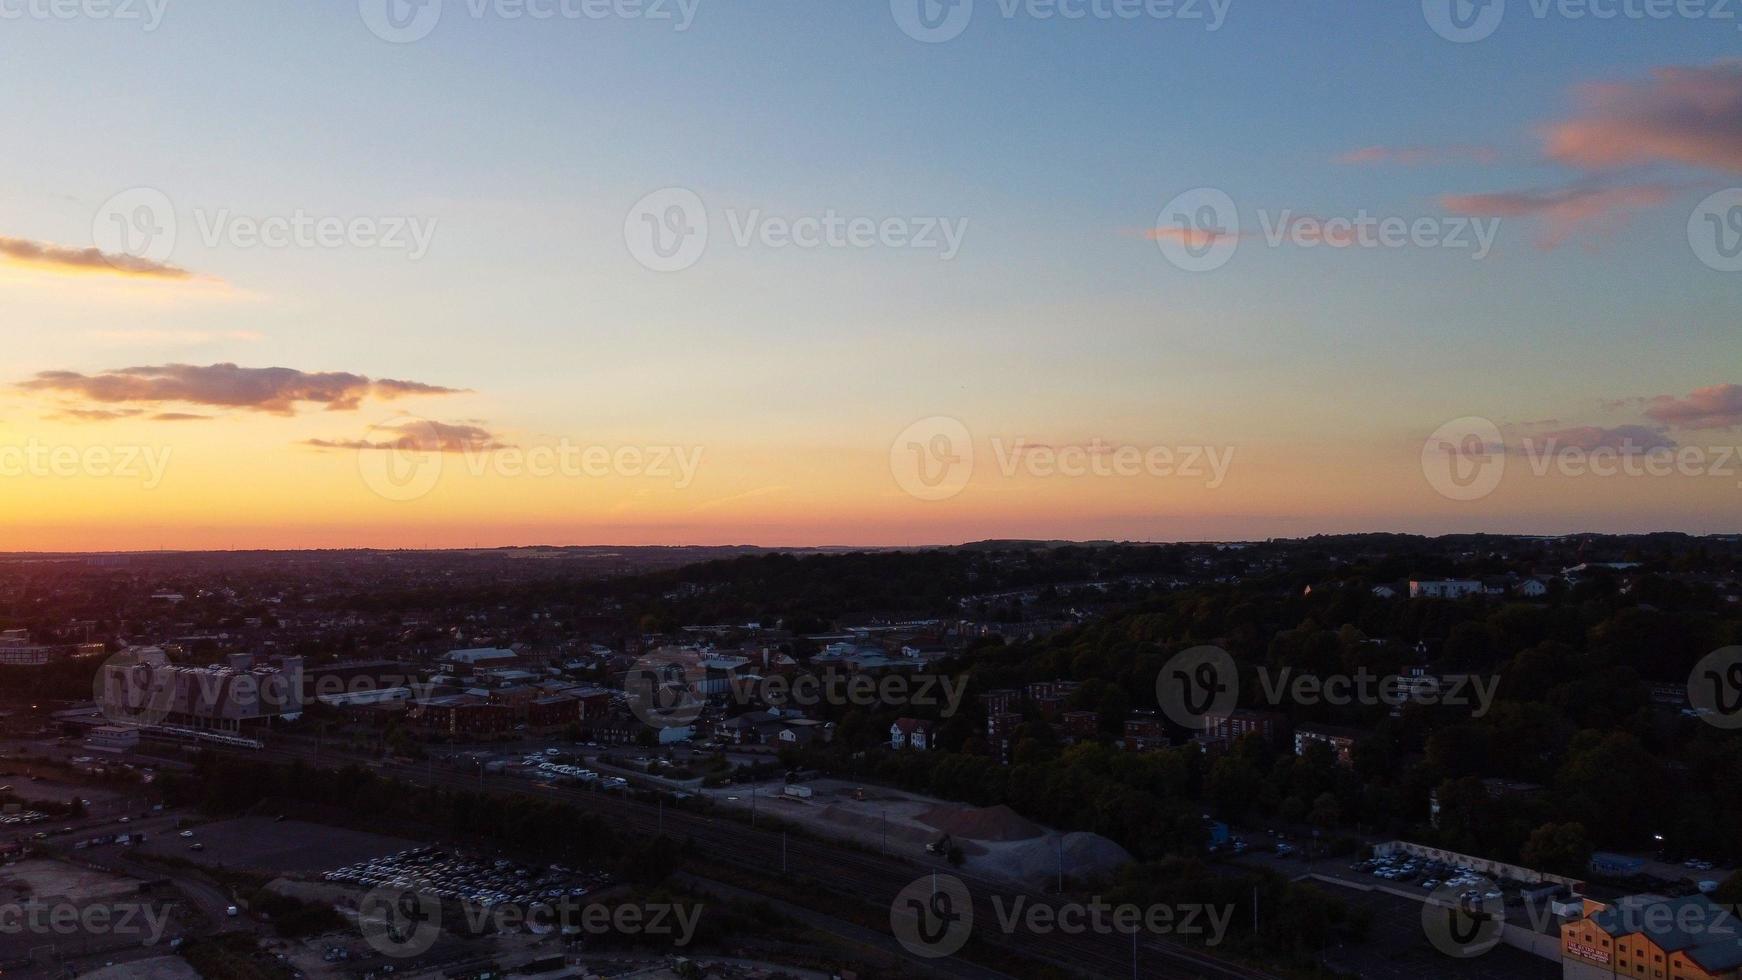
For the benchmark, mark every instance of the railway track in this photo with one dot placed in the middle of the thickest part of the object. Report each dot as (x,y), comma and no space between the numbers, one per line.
(873,878)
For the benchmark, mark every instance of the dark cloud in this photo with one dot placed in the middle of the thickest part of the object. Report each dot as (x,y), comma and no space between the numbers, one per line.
(277,390)
(1625,439)
(420,435)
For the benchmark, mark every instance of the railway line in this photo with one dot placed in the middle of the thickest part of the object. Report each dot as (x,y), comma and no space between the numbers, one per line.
(864,876)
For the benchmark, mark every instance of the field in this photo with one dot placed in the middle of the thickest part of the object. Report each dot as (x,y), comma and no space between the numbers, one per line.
(259,844)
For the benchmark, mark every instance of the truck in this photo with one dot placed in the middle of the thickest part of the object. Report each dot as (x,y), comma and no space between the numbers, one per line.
(799,792)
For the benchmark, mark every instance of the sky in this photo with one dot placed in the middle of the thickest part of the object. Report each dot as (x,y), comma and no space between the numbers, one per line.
(396,274)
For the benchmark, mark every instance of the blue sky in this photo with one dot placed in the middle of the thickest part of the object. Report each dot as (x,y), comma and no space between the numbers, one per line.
(1058,142)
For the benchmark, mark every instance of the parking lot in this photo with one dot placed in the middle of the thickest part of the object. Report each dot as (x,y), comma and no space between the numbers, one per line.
(1398,949)
(429,871)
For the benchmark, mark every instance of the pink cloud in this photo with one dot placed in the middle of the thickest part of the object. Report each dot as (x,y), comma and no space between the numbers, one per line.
(1714,407)
(1681,114)
(1190,237)
(1564,212)
(1413,156)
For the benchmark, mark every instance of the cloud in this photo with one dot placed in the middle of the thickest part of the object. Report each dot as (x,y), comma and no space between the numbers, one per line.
(420,435)
(1714,407)
(277,390)
(63,259)
(96,414)
(1564,212)
(1681,114)
(1190,237)
(1629,440)
(180,417)
(1414,156)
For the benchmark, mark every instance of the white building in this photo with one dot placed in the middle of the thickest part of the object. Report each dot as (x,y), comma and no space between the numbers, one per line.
(143,689)
(16,650)
(112,738)
(910,733)
(1445,589)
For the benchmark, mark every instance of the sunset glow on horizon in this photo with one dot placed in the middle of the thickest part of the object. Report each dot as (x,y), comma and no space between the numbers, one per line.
(798,276)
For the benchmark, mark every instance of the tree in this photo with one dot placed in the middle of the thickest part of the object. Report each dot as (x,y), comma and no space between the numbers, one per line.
(1327,812)
(1559,848)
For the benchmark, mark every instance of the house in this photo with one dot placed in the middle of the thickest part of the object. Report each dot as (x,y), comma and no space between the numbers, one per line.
(910,733)
(1531,588)
(800,732)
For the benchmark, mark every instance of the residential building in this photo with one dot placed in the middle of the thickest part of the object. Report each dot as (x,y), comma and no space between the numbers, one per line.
(1145,732)
(1341,741)
(910,733)
(462,716)
(1001,733)
(1075,726)
(1229,727)
(1445,589)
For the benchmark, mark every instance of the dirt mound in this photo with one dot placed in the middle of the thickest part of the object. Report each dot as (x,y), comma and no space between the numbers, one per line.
(998,823)
(1085,856)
